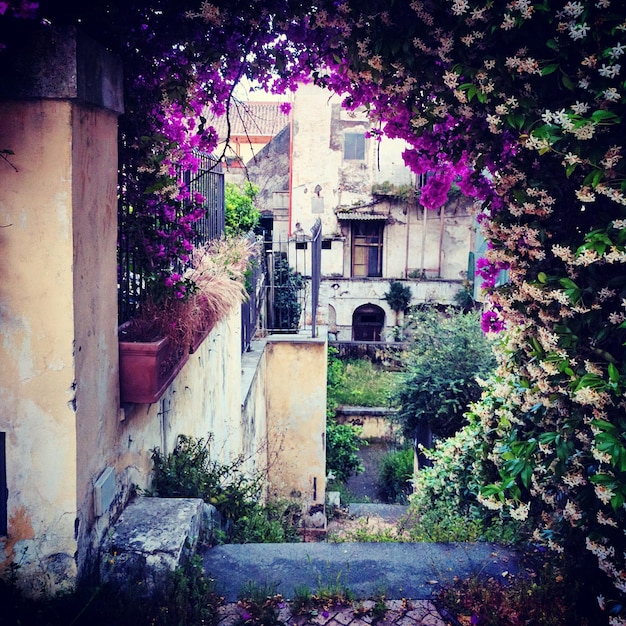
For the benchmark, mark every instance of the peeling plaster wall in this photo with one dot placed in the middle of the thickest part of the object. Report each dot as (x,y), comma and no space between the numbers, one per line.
(255,447)
(203,400)
(349,294)
(37,388)
(95,306)
(296,417)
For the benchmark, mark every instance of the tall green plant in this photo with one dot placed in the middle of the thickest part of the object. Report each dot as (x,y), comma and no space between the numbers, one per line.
(240,214)
(395,476)
(398,297)
(288,285)
(189,472)
(448,354)
(342,447)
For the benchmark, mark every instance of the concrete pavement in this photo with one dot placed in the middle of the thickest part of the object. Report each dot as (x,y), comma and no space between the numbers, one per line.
(368,570)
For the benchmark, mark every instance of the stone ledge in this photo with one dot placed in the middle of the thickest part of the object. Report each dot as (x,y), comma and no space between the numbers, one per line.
(151,538)
(43,61)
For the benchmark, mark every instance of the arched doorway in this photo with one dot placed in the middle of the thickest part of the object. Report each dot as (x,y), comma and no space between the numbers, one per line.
(367,323)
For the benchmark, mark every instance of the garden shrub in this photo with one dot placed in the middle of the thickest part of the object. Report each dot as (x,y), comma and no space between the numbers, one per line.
(189,472)
(447,355)
(288,285)
(446,499)
(342,446)
(395,476)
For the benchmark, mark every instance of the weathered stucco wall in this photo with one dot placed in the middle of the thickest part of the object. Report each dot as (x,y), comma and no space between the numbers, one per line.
(37,388)
(343,296)
(94,225)
(202,401)
(255,446)
(375,423)
(296,417)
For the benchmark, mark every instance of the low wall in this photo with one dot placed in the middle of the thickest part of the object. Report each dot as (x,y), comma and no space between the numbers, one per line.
(376,422)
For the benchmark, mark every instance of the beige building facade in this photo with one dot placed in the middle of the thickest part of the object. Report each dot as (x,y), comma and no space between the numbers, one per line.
(325,165)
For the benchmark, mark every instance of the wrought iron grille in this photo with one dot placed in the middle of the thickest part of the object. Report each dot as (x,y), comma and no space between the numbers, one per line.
(252,307)
(316,272)
(132,261)
(293,271)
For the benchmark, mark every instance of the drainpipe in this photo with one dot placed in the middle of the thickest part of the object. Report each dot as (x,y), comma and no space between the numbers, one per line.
(406,251)
(441,229)
(291,130)
(422,269)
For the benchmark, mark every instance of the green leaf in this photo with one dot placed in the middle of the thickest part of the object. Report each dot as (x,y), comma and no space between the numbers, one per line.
(567,82)
(604,116)
(550,69)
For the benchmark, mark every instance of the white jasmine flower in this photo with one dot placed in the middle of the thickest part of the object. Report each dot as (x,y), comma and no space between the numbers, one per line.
(573,9)
(579,107)
(609,71)
(578,31)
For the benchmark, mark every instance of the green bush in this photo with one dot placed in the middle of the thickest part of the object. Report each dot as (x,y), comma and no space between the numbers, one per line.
(240,214)
(189,472)
(342,446)
(446,501)
(287,288)
(395,476)
(448,352)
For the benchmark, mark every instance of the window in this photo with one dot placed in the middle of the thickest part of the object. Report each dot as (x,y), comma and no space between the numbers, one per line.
(367,248)
(354,146)
(327,244)
(3,486)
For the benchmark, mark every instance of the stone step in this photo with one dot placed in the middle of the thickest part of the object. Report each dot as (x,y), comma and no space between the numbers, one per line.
(397,570)
(153,536)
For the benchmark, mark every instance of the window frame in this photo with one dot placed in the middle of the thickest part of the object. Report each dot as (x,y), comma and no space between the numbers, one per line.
(354,146)
(367,249)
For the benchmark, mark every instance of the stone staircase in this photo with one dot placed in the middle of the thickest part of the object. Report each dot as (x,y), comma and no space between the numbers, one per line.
(155,535)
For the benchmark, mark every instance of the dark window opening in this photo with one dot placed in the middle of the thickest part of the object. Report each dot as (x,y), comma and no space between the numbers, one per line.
(354,146)
(301,245)
(327,244)
(367,249)
(367,323)
(4,494)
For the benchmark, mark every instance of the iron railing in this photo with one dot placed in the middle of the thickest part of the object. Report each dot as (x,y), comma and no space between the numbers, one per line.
(133,263)
(252,307)
(316,272)
(293,272)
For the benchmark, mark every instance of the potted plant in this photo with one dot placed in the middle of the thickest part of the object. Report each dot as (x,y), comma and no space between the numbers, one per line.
(155,345)
(218,272)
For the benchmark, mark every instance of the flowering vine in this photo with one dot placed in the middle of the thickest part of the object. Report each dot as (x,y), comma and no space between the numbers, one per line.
(520,104)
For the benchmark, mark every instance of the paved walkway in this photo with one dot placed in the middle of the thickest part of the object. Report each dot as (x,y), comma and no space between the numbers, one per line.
(367,570)
(367,613)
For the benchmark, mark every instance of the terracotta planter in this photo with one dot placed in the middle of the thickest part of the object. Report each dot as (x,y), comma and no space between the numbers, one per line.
(147,369)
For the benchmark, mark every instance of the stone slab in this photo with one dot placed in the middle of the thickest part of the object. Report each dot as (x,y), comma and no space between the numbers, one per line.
(152,537)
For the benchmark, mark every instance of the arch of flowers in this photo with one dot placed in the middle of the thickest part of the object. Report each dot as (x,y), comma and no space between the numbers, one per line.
(521,104)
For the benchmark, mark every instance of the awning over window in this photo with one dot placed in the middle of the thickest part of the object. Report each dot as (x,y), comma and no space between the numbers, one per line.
(353,215)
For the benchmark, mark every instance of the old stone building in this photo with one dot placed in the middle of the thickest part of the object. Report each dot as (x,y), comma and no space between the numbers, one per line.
(324,164)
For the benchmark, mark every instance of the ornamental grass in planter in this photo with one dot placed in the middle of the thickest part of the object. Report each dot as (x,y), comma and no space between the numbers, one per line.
(156,344)
(218,272)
